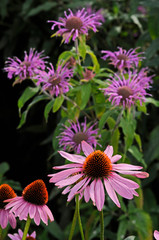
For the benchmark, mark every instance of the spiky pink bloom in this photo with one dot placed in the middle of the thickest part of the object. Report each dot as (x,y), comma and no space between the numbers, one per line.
(32,202)
(88,175)
(6,192)
(27,68)
(156,235)
(19,235)
(72,136)
(144,79)
(98,13)
(122,59)
(126,91)
(75,24)
(56,82)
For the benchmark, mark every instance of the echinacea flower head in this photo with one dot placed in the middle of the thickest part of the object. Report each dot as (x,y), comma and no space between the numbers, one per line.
(75,24)
(72,136)
(126,90)
(55,82)
(19,235)
(26,68)
(32,202)
(88,175)
(122,59)
(6,192)
(156,235)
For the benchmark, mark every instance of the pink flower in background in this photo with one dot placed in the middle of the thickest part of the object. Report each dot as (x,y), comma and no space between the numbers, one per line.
(75,24)
(19,235)
(56,82)
(156,235)
(32,202)
(27,68)
(144,79)
(124,91)
(72,136)
(88,175)
(122,59)
(6,192)
(98,13)
(142,9)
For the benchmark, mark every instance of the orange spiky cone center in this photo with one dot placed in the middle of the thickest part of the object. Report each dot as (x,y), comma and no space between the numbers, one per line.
(6,192)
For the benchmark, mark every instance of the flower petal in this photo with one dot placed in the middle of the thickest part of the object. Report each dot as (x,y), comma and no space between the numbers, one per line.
(69,180)
(111,192)
(109,151)
(72,157)
(99,194)
(63,174)
(87,149)
(125,166)
(115,158)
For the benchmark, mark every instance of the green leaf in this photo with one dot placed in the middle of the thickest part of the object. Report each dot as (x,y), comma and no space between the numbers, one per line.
(46,6)
(28,93)
(123,225)
(48,108)
(64,56)
(137,154)
(96,66)
(138,140)
(130,238)
(25,113)
(142,222)
(54,229)
(85,94)
(82,47)
(4,167)
(153,101)
(57,103)
(104,118)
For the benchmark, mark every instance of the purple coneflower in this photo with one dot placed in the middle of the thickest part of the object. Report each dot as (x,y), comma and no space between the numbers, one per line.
(123,59)
(75,24)
(19,235)
(126,92)
(32,63)
(72,136)
(88,175)
(55,82)
(32,203)
(6,192)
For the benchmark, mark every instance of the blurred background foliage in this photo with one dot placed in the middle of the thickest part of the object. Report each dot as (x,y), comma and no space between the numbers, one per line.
(25,153)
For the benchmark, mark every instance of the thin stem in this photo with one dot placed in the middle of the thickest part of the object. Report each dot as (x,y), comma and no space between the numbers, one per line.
(75,104)
(78,215)
(118,121)
(77,51)
(1,238)
(101,225)
(73,224)
(26,229)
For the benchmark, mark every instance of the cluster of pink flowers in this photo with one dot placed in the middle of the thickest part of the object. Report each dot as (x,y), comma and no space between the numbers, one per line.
(91,173)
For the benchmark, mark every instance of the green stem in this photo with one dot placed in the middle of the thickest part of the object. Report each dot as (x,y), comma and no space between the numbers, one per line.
(73,224)
(1,238)
(79,218)
(26,229)
(77,51)
(101,225)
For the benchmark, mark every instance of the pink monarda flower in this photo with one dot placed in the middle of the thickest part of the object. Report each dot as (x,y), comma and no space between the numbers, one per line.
(32,202)
(55,82)
(122,59)
(144,79)
(98,13)
(88,175)
(71,137)
(19,235)
(124,91)
(28,68)
(75,24)
(6,192)
(156,235)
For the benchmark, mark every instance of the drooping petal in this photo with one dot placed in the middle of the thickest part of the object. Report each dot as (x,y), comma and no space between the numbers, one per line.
(125,167)
(69,181)
(99,194)
(111,192)
(115,158)
(63,174)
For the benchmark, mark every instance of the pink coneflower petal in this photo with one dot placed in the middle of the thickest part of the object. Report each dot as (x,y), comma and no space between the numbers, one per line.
(72,157)
(91,191)
(156,235)
(115,158)
(62,175)
(69,180)
(87,194)
(127,182)
(87,149)
(67,166)
(125,166)
(111,192)
(109,151)
(99,194)
(74,189)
